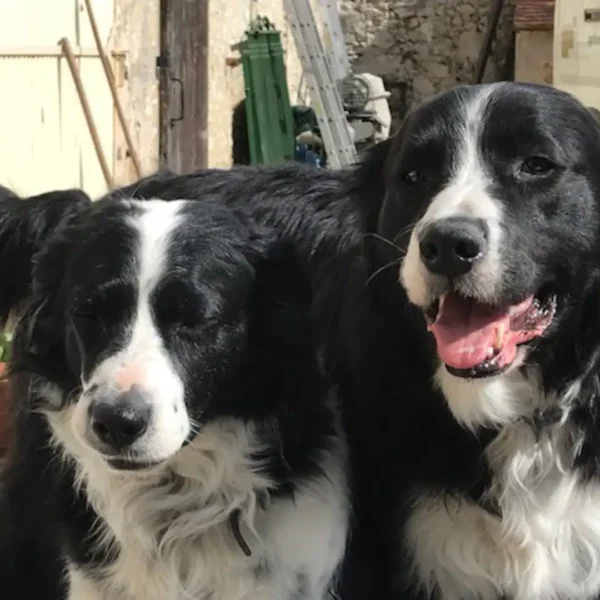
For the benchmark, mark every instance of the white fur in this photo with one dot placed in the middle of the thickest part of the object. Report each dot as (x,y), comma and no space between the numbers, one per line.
(491,401)
(466,194)
(81,587)
(144,361)
(546,545)
(172,528)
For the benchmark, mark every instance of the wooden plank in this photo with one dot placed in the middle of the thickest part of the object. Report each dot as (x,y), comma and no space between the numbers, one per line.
(44,51)
(110,79)
(85,106)
(184,85)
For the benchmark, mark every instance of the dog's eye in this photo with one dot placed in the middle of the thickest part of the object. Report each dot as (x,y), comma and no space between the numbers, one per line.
(87,319)
(177,306)
(411,177)
(537,165)
(179,315)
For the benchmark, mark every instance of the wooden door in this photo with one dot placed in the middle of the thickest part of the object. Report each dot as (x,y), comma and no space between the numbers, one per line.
(184,84)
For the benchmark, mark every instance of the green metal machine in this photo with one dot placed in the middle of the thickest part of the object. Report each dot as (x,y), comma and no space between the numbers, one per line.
(268,111)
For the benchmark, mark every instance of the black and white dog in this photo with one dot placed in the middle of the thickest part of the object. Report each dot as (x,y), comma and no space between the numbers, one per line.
(464,331)
(455,284)
(493,193)
(177,436)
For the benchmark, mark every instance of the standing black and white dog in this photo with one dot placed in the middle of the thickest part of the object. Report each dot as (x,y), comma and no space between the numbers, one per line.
(465,334)
(176,434)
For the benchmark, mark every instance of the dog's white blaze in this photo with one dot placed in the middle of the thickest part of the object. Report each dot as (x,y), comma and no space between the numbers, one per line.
(546,546)
(489,401)
(144,361)
(466,194)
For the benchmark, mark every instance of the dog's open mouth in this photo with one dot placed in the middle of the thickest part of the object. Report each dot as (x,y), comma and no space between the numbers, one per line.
(479,340)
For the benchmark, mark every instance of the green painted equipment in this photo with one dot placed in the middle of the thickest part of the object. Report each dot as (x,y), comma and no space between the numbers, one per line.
(268,111)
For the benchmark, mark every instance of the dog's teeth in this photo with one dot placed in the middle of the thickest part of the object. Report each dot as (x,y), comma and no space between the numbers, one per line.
(441,301)
(500,333)
(490,352)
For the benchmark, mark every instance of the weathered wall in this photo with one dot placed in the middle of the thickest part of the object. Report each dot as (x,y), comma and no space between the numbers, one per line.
(534,56)
(421,47)
(534,41)
(136,32)
(228,21)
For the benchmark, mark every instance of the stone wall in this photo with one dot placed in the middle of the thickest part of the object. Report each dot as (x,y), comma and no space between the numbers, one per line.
(421,47)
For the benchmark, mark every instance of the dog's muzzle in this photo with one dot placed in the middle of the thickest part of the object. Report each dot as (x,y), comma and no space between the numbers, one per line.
(117,420)
(451,247)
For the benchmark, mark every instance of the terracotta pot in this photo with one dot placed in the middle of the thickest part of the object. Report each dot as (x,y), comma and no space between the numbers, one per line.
(5,427)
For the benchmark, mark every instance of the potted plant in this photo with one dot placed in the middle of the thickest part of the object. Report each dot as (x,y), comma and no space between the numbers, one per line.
(5,352)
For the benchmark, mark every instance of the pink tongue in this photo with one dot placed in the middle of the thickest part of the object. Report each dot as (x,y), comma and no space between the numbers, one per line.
(465,331)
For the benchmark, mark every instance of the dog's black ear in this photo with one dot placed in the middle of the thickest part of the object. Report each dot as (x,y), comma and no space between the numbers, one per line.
(7,194)
(155,185)
(281,300)
(368,183)
(25,227)
(282,334)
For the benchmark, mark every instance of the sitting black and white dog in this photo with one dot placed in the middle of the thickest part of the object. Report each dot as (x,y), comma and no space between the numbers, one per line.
(465,332)
(177,437)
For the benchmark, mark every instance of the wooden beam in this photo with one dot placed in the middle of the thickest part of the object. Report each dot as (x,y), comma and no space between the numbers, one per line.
(488,40)
(87,112)
(110,79)
(49,51)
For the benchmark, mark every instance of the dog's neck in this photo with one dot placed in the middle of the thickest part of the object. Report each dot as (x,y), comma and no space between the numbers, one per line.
(493,402)
(510,414)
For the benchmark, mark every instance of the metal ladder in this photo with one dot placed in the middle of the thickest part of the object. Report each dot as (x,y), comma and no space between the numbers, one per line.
(322,72)
(333,39)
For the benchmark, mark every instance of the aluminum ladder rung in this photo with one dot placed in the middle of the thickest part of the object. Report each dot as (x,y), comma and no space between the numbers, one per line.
(327,102)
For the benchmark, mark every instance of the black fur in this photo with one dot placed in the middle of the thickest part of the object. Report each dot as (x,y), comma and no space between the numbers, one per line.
(26,224)
(234,313)
(353,228)
(346,228)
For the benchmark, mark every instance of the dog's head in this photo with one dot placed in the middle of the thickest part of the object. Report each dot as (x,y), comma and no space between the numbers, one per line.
(492,195)
(149,318)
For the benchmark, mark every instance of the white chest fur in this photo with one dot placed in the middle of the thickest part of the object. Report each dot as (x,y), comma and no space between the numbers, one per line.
(175,538)
(546,545)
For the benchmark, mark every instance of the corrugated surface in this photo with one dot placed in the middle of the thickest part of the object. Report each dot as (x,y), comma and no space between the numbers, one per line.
(45,140)
(534,14)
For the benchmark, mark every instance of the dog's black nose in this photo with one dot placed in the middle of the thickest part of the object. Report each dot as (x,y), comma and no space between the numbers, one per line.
(120,420)
(450,247)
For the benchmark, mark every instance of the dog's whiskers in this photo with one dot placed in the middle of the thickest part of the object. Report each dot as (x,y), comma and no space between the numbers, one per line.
(404,230)
(392,263)
(386,241)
